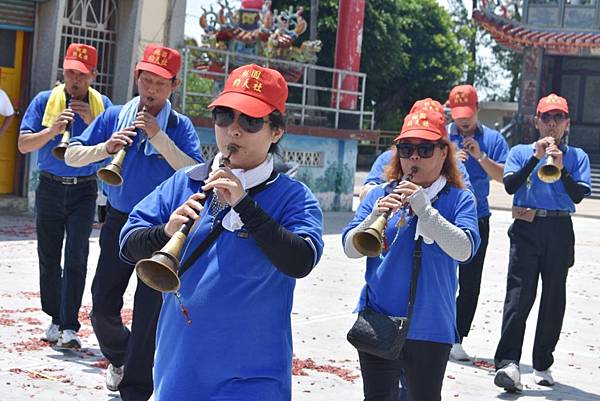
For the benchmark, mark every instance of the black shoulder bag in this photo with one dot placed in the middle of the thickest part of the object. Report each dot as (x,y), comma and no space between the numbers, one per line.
(382,335)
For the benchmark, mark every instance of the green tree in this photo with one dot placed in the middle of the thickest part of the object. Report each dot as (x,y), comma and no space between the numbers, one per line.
(484,72)
(196,105)
(409,51)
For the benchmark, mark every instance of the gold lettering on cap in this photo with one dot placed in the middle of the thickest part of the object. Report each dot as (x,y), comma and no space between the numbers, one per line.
(80,53)
(461,97)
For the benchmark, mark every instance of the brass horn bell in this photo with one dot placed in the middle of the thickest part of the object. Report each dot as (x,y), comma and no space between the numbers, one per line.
(369,242)
(59,150)
(111,174)
(549,173)
(160,271)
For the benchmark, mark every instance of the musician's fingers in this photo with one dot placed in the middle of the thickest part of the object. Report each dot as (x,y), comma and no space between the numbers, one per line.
(198,196)
(128,133)
(195,205)
(393,195)
(221,172)
(178,219)
(123,139)
(223,183)
(77,106)
(405,184)
(390,202)
(187,211)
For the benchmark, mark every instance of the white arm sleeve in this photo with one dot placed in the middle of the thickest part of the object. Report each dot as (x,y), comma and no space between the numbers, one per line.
(78,155)
(452,239)
(172,154)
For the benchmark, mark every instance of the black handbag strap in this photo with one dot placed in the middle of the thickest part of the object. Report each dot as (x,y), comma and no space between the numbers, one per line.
(218,228)
(414,277)
(416,270)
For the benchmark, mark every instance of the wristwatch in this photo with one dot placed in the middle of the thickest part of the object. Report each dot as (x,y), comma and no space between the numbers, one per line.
(483,157)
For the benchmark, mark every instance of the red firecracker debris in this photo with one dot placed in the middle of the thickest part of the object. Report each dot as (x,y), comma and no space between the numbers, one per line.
(483,364)
(4,321)
(298,366)
(29,294)
(101,363)
(30,345)
(31,320)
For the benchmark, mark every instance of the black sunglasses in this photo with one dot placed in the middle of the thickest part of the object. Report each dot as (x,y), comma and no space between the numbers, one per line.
(424,149)
(225,116)
(558,117)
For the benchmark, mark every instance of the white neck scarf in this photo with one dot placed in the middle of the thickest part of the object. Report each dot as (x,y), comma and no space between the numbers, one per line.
(249,179)
(431,192)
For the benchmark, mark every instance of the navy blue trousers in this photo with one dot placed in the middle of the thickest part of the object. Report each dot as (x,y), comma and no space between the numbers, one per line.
(132,349)
(63,209)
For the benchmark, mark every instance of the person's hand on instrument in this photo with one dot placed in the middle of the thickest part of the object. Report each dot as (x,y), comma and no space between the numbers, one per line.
(227,186)
(83,109)
(541,145)
(61,122)
(472,146)
(462,155)
(120,139)
(147,123)
(189,210)
(557,155)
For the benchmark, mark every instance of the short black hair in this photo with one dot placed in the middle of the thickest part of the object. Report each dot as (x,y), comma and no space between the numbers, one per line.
(277,121)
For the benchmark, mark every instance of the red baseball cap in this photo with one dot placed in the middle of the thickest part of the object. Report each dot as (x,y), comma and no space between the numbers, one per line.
(254,90)
(552,102)
(463,101)
(427,104)
(160,60)
(80,57)
(424,124)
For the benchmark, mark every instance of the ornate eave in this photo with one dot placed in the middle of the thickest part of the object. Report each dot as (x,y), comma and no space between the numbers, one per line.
(515,35)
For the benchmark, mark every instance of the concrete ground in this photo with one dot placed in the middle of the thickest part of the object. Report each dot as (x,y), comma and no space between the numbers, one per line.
(326,367)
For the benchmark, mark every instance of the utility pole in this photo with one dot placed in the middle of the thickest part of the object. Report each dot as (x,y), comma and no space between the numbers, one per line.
(312,35)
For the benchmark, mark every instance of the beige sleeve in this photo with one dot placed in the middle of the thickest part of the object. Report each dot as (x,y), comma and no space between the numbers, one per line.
(78,155)
(172,154)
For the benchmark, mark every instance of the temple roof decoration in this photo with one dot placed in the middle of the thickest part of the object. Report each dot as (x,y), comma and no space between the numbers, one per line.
(254,29)
(496,19)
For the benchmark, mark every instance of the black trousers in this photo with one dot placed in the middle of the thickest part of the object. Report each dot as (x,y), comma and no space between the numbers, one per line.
(423,364)
(469,280)
(544,247)
(63,209)
(134,350)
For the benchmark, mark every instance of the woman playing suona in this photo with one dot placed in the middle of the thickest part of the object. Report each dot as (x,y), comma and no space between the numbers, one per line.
(428,201)
(234,341)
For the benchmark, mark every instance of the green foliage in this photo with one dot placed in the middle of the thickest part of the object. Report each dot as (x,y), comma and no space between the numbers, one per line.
(409,51)
(196,105)
(487,74)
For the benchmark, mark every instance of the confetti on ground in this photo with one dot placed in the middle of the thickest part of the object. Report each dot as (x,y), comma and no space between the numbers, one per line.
(483,364)
(298,366)
(102,363)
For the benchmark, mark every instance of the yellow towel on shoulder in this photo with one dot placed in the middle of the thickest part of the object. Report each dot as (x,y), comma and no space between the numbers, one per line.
(58,102)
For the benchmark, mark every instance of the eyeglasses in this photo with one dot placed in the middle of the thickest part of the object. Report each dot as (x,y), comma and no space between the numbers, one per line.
(424,149)
(558,117)
(225,116)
